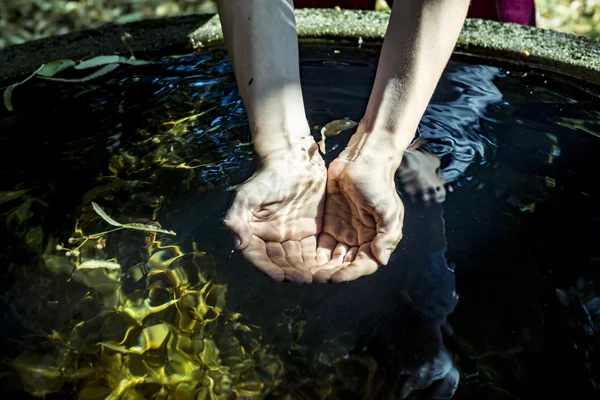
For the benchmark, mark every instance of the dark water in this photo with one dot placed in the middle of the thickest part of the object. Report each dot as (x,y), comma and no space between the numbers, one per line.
(497,288)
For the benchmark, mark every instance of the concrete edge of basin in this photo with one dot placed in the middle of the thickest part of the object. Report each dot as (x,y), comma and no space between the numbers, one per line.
(550,50)
(522,45)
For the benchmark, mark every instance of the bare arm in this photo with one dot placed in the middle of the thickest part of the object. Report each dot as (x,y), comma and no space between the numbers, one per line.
(363,213)
(262,42)
(418,43)
(277,213)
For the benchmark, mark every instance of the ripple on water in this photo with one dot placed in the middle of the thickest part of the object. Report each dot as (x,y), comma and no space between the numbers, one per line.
(498,285)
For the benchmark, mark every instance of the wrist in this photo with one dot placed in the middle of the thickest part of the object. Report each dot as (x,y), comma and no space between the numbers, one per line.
(279,139)
(289,149)
(377,148)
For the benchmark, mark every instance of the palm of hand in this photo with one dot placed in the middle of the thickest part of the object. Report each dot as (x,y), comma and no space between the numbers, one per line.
(277,214)
(362,224)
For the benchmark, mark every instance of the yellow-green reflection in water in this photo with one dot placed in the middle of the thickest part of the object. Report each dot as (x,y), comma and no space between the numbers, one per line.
(167,335)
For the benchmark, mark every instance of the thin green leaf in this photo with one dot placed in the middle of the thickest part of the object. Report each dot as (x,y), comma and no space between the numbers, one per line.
(107,60)
(148,228)
(8,96)
(135,61)
(8,90)
(105,216)
(54,67)
(99,61)
(135,226)
(102,71)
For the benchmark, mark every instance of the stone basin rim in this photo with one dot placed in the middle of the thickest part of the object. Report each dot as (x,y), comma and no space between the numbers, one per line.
(561,53)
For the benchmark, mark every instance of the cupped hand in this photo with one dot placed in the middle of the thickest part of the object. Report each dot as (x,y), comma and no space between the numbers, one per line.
(363,220)
(277,213)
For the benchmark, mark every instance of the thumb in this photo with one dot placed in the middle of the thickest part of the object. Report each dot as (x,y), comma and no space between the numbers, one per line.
(236,221)
(389,233)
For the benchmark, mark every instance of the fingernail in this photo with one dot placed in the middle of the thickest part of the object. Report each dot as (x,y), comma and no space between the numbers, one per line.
(237,241)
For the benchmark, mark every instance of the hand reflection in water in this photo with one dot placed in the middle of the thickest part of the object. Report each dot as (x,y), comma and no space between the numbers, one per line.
(384,340)
(407,341)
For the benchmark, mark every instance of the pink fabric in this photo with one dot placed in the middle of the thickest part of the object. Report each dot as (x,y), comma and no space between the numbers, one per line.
(516,11)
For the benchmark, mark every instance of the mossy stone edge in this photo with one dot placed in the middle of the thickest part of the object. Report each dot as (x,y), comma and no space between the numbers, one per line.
(522,45)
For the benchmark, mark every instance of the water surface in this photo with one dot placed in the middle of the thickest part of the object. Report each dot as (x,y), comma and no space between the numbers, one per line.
(498,285)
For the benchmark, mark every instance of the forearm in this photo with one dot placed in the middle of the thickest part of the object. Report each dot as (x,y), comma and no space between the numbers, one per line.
(418,43)
(262,42)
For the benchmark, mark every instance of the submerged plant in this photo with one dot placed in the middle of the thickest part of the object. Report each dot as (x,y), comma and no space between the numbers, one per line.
(157,329)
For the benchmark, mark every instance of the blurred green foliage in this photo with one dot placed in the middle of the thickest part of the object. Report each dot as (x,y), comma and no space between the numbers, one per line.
(580,17)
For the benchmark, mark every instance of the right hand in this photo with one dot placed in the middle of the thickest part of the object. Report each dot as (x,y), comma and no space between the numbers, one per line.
(277,213)
(363,214)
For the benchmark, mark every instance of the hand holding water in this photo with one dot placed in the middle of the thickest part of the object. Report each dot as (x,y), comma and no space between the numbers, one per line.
(363,214)
(277,213)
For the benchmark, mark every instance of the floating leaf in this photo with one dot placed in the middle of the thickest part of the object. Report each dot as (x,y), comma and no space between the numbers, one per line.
(105,216)
(8,96)
(135,226)
(95,264)
(148,228)
(107,60)
(98,62)
(334,128)
(54,67)
(101,72)
(8,91)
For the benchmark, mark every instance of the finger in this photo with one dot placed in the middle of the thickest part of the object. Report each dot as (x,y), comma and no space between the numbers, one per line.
(351,255)
(389,233)
(309,251)
(236,220)
(256,254)
(277,255)
(293,255)
(364,264)
(323,273)
(298,276)
(325,246)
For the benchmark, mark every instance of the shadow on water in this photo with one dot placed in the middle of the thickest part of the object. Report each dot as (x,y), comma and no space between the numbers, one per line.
(185,317)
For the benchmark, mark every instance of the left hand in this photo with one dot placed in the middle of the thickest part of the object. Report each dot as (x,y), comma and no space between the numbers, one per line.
(363,219)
